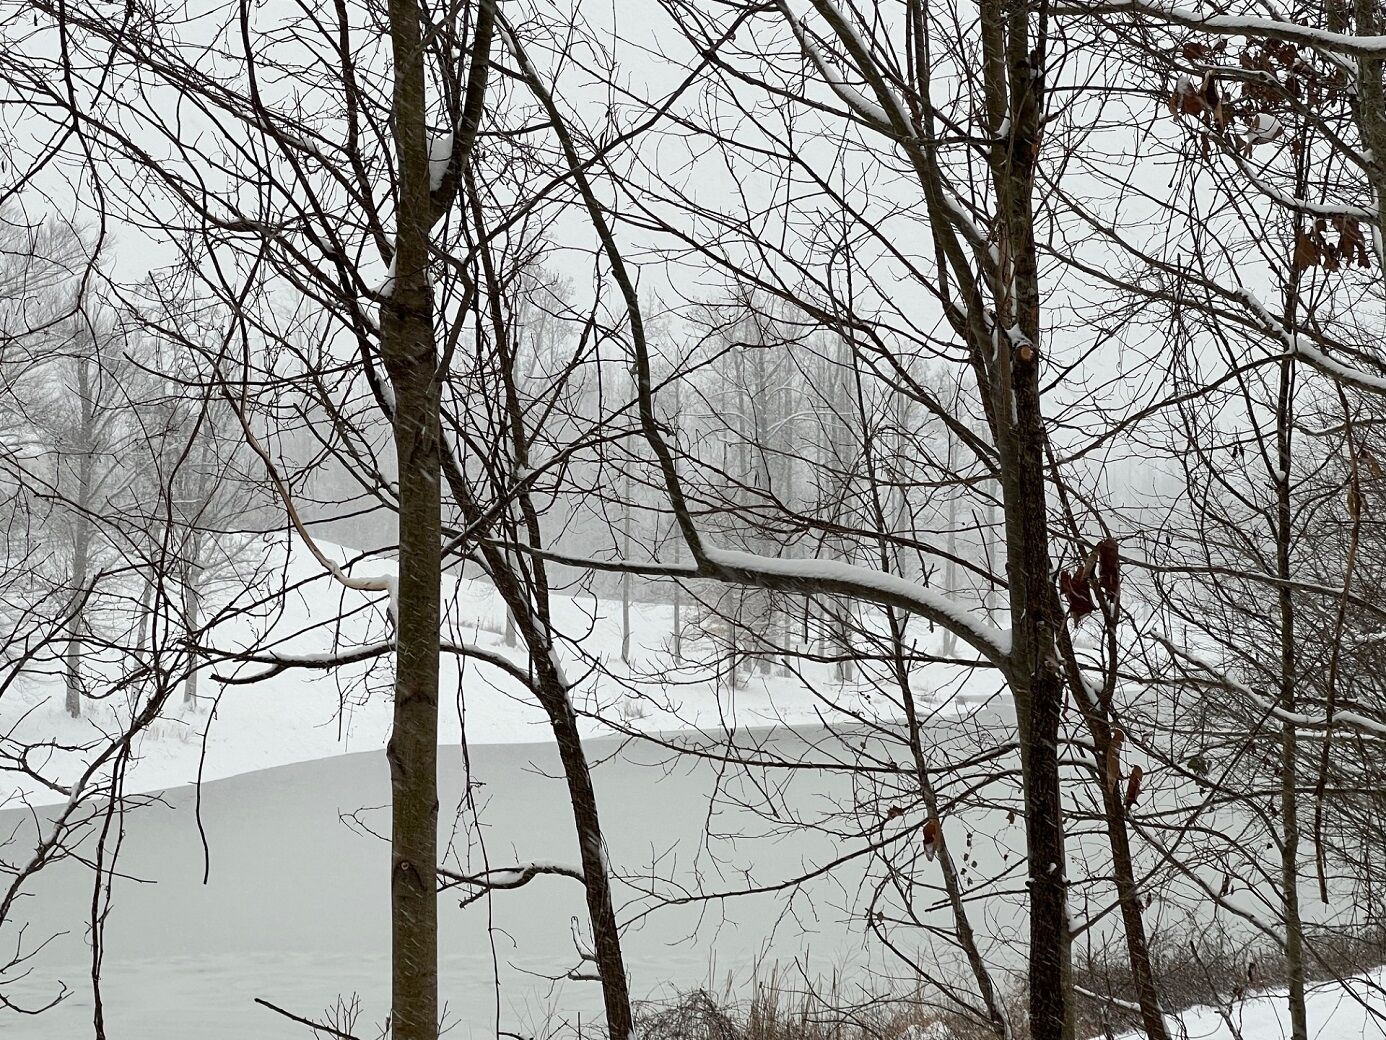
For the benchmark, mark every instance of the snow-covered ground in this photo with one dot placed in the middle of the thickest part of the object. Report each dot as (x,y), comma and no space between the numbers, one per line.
(1354,1009)
(295,904)
(303,714)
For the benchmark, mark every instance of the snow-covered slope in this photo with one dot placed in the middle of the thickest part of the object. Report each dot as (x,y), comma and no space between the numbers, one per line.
(1353,1009)
(301,714)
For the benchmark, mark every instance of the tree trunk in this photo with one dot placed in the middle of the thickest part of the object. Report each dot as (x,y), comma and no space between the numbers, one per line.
(1123,868)
(192,602)
(145,608)
(1289,738)
(81,551)
(596,871)
(410,354)
(551,688)
(1288,664)
(625,576)
(1014,70)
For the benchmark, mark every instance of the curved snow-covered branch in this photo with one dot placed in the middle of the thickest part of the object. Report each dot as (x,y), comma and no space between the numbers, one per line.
(1316,358)
(824,577)
(282,662)
(865,110)
(835,577)
(1349,719)
(505,878)
(1296,347)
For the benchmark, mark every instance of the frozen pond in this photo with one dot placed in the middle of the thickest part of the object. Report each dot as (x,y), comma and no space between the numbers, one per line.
(295,907)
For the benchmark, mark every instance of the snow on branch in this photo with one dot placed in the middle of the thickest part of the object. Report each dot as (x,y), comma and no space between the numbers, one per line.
(864,109)
(1302,205)
(1325,364)
(1350,719)
(1116,1002)
(505,878)
(825,577)
(439,159)
(1237,25)
(865,583)
(1296,346)
(889,109)
(282,662)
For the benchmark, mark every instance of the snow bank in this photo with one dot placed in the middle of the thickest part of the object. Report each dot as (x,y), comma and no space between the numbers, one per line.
(1354,1009)
(303,714)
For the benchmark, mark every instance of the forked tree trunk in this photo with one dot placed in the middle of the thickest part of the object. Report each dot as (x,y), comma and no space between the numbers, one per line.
(1013,66)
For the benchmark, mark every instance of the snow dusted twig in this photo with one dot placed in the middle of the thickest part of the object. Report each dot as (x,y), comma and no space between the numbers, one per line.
(1218,677)
(282,662)
(867,111)
(584,947)
(505,878)
(1116,1002)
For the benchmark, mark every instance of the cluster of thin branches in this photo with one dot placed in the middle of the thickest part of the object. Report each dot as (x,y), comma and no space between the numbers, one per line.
(1002,377)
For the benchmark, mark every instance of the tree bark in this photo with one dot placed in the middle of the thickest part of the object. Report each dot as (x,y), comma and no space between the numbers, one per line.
(192,602)
(81,553)
(410,355)
(1014,71)
(73,654)
(1289,737)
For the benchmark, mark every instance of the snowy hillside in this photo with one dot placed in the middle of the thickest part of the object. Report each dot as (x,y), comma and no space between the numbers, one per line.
(1354,1009)
(301,714)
